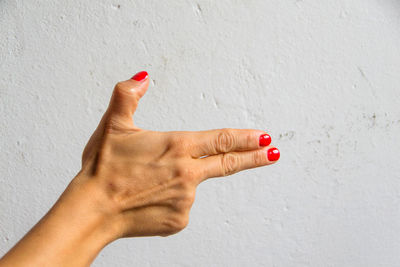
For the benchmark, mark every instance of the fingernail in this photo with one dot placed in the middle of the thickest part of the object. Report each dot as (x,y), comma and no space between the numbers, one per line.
(273,154)
(140,76)
(265,140)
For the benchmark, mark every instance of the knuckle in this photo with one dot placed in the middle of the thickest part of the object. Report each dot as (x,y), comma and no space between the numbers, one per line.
(176,139)
(184,203)
(188,197)
(225,140)
(230,163)
(259,158)
(122,89)
(181,223)
(110,125)
(182,200)
(179,144)
(186,173)
(119,89)
(183,183)
(176,223)
(120,86)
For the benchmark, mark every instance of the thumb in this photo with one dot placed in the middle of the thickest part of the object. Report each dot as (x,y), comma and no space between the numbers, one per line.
(125,99)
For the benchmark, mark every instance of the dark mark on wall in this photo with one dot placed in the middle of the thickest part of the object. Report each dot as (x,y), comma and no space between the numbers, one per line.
(314,141)
(362,73)
(287,136)
(199,7)
(328,129)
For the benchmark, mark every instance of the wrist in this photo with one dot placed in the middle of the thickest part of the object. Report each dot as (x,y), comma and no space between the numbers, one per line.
(74,230)
(92,207)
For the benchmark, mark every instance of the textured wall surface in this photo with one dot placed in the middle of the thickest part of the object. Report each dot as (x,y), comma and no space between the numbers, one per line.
(322,77)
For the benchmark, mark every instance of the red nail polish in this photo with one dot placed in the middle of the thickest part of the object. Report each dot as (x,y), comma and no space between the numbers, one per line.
(273,154)
(140,76)
(265,140)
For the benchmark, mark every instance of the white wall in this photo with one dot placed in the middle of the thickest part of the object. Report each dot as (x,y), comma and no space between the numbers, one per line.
(321,76)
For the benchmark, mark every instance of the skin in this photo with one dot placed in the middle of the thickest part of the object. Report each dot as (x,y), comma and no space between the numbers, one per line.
(133,182)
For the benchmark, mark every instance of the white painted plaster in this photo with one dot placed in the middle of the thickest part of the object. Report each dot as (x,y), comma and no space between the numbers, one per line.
(322,77)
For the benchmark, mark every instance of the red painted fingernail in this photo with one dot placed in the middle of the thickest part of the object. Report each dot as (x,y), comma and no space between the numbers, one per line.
(265,140)
(140,76)
(273,154)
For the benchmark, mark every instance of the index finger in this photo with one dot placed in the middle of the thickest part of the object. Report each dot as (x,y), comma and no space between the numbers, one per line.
(213,142)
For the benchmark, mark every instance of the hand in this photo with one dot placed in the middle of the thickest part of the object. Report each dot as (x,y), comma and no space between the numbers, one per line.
(134,182)
(150,177)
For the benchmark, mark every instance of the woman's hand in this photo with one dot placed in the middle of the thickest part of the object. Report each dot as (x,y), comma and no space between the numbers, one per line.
(150,177)
(134,182)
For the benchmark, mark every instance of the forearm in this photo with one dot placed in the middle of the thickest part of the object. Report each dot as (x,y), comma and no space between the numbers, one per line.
(72,233)
(137,183)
